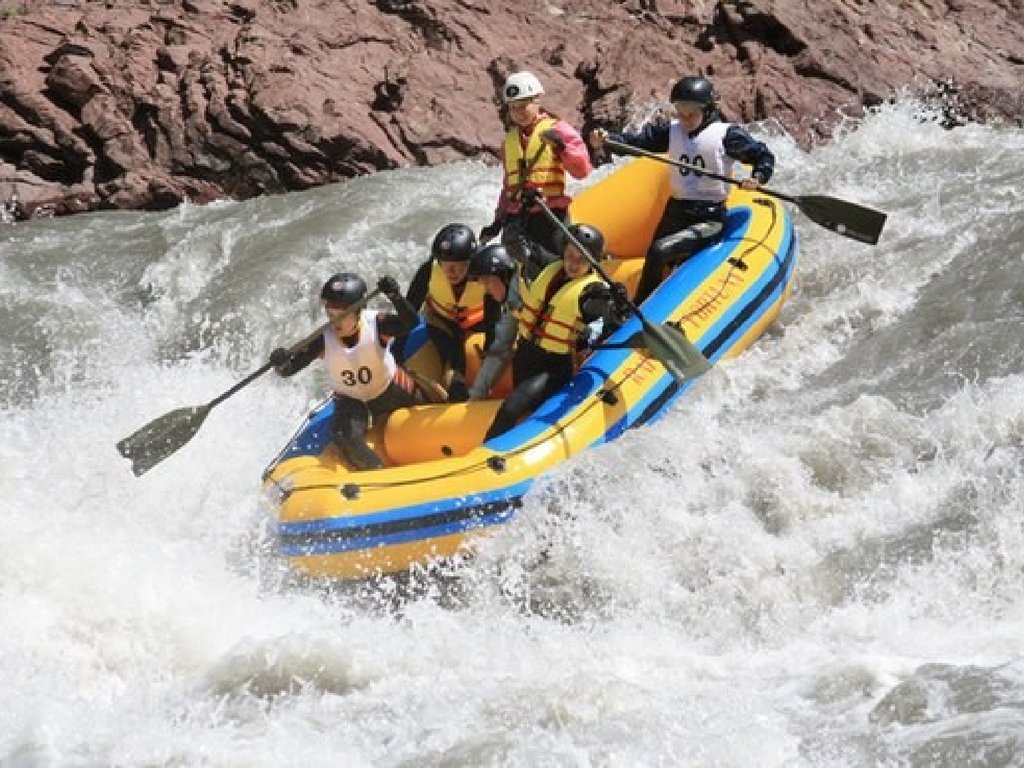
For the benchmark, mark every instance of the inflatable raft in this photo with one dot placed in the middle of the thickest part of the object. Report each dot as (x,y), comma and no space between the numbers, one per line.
(441,485)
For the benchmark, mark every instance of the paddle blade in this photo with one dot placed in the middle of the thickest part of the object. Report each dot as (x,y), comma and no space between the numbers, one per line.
(843,217)
(161,437)
(668,344)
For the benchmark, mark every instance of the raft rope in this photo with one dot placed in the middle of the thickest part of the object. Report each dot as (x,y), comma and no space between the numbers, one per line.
(558,429)
(736,262)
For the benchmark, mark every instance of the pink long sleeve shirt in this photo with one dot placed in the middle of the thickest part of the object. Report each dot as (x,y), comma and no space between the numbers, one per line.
(574,158)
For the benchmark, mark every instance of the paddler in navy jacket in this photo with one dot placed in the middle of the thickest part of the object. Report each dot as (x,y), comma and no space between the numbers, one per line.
(695,212)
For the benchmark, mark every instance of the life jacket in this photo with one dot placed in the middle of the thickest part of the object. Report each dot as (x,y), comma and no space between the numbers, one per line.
(553,322)
(466,312)
(707,150)
(535,166)
(365,370)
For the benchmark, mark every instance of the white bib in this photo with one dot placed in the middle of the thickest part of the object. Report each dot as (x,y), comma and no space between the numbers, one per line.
(364,371)
(706,150)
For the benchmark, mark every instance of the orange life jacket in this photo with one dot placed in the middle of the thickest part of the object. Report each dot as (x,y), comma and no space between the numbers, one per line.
(466,312)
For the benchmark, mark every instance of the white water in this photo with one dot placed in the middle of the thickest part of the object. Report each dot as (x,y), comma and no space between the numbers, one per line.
(816,559)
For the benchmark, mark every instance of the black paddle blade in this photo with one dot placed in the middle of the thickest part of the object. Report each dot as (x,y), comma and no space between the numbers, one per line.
(161,437)
(668,344)
(843,217)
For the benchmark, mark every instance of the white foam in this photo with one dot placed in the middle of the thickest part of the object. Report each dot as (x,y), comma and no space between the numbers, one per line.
(739,584)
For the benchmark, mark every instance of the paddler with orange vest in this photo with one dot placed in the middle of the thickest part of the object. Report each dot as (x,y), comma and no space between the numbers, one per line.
(452,306)
(537,152)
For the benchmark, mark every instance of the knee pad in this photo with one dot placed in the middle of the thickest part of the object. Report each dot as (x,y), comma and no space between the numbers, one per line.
(359,454)
(684,243)
(527,395)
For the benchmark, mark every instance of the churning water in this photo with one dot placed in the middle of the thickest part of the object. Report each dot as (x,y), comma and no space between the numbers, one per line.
(817,559)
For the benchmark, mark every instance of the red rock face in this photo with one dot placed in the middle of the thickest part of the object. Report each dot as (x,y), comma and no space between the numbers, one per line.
(144,104)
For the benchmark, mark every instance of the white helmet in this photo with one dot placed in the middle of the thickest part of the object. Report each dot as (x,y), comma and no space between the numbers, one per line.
(521,85)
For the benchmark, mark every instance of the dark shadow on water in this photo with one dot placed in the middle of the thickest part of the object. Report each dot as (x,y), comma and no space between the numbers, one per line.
(865,570)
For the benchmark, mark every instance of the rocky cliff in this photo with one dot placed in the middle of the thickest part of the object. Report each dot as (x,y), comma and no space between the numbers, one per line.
(143,104)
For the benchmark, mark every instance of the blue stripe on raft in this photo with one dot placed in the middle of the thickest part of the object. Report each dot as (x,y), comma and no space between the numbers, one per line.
(426,522)
(406,513)
(415,341)
(744,314)
(323,545)
(735,323)
(313,437)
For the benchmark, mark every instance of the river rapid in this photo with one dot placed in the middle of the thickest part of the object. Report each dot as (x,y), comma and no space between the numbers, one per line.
(815,559)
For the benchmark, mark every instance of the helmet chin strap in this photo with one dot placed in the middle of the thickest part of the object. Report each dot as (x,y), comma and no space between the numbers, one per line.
(709,117)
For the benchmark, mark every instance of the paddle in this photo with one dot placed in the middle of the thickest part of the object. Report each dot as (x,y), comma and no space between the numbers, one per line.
(665,342)
(164,435)
(841,216)
(161,437)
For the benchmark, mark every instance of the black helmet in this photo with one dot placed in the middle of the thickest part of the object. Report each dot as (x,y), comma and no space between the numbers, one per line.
(492,260)
(343,290)
(695,89)
(455,242)
(589,237)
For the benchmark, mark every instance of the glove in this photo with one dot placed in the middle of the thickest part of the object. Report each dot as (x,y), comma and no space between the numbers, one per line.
(620,297)
(389,286)
(279,357)
(551,137)
(490,232)
(457,390)
(529,197)
(590,334)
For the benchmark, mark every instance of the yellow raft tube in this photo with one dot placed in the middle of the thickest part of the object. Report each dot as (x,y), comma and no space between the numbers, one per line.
(441,486)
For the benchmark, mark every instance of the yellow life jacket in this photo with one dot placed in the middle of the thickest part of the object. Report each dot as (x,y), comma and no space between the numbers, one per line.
(466,311)
(553,324)
(535,166)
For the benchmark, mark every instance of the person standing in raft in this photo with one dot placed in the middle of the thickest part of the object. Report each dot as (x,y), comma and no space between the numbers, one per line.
(356,346)
(565,311)
(695,212)
(537,152)
(453,307)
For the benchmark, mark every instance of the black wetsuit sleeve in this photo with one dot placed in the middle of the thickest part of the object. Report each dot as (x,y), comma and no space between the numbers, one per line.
(740,145)
(492,313)
(302,355)
(400,322)
(419,286)
(653,137)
